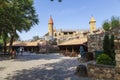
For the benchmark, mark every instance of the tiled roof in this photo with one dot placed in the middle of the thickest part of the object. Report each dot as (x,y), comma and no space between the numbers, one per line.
(19,43)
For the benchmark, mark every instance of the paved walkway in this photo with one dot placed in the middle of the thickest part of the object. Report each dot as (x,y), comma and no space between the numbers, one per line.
(39,67)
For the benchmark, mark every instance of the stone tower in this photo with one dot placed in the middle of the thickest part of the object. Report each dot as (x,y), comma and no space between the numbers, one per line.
(92,23)
(50,27)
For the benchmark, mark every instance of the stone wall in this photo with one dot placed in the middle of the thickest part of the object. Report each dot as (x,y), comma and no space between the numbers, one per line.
(103,72)
(117,57)
(117,51)
(117,74)
(95,42)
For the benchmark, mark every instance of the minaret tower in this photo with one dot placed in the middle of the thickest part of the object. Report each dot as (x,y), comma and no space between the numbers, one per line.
(50,27)
(92,23)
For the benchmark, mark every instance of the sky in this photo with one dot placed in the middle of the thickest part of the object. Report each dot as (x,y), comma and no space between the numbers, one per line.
(71,15)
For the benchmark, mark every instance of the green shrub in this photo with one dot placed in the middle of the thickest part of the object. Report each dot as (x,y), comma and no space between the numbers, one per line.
(97,53)
(104,59)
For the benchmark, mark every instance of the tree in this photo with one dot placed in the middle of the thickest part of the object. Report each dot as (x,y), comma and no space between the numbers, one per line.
(106,44)
(114,22)
(35,38)
(112,49)
(4,22)
(6,38)
(16,15)
(106,26)
(24,17)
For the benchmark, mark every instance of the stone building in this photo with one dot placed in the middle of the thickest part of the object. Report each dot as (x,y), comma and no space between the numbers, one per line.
(69,39)
(62,35)
(65,35)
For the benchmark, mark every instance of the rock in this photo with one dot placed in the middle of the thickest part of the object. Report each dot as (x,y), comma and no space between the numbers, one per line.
(81,71)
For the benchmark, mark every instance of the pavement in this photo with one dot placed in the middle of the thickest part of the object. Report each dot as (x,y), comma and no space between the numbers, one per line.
(31,66)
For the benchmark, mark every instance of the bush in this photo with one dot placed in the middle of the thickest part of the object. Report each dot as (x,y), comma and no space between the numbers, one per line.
(104,59)
(97,53)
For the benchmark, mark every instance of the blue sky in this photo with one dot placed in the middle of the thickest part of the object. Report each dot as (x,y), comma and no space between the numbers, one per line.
(71,14)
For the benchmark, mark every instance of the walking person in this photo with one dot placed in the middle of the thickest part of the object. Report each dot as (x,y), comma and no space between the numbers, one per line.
(17,52)
(21,50)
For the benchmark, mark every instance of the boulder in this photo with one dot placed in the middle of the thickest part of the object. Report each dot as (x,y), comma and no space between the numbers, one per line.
(81,71)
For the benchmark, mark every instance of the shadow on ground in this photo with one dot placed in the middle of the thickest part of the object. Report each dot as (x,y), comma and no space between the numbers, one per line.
(63,70)
(32,56)
(4,57)
(2,68)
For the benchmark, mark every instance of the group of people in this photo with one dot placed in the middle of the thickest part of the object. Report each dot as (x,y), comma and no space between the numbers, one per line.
(14,52)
